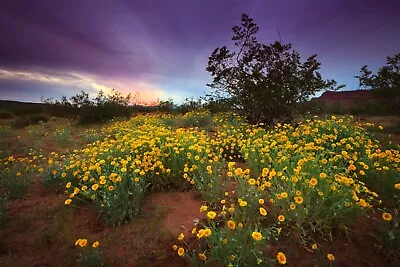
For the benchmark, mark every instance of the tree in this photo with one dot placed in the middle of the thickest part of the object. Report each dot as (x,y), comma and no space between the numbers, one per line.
(264,82)
(387,77)
(385,84)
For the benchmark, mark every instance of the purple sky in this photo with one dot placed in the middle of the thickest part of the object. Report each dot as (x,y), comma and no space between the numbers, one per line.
(160,48)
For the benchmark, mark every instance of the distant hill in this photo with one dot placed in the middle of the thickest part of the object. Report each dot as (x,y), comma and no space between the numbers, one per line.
(346,98)
(23,108)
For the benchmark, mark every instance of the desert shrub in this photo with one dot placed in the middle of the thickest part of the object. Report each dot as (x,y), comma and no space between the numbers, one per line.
(21,122)
(390,235)
(197,119)
(16,180)
(92,135)
(53,176)
(170,121)
(103,112)
(5,132)
(263,82)
(90,255)
(37,118)
(5,114)
(62,134)
(229,245)
(166,106)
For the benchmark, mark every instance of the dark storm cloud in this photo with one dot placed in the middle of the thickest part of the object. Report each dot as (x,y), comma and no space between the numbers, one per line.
(164,45)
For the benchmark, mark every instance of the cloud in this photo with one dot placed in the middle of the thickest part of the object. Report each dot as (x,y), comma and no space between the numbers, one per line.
(145,90)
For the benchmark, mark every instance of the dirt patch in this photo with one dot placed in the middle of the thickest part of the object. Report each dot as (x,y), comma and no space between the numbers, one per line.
(182,205)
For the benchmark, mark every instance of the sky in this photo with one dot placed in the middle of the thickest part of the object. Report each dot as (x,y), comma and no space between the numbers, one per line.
(159,49)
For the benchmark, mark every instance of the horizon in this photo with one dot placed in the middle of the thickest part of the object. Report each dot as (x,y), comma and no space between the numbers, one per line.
(51,49)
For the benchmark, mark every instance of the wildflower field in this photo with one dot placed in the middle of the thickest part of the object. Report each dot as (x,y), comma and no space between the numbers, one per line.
(322,192)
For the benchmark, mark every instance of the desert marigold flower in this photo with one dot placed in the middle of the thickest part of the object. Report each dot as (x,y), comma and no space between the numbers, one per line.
(243,203)
(252,181)
(240,225)
(314,246)
(68,201)
(239,171)
(281,218)
(68,185)
(352,167)
(292,206)
(380,127)
(322,175)
(202,256)
(174,247)
(194,230)
(261,201)
(313,182)
(232,257)
(95,187)
(256,236)
(200,233)
(281,257)
(397,186)
(181,237)
(387,216)
(207,232)
(203,208)
(82,243)
(231,164)
(330,257)
(110,188)
(263,212)
(211,215)
(363,203)
(181,251)
(298,200)
(96,244)
(298,193)
(231,225)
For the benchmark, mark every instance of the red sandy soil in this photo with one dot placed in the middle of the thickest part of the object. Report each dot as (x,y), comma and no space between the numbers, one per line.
(183,210)
(147,241)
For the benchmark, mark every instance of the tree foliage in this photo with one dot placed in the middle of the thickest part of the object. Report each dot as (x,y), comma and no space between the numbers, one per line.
(385,84)
(388,76)
(264,82)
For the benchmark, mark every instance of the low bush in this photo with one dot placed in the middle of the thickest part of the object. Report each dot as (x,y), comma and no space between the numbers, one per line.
(5,114)
(62,135)
(90,255)
(16,180)
(21,122)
